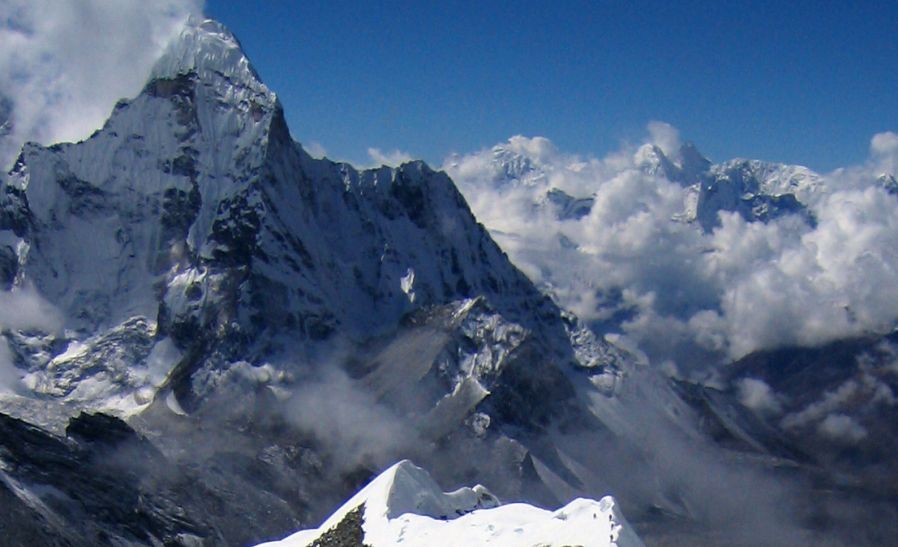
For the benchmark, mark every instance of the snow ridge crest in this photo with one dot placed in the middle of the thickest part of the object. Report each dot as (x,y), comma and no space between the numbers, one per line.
(404,505)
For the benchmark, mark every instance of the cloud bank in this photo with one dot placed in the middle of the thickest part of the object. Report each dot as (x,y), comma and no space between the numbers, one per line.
(631,262)
(63,65)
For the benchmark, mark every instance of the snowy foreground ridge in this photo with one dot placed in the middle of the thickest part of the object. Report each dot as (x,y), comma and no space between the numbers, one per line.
(404,506)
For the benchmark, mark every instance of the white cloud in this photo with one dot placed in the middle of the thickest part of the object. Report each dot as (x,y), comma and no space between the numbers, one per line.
(63,65)
(393,158)
(884,152)
(860,394)
(633,266)
(665,136)
(315,149)
(539,148)
(348,420)
(884,144)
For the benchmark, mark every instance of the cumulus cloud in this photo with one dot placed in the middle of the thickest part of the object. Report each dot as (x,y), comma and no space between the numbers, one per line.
(632,263)
(884,144)
(540,149)
(63,65)
(789,284)
(817,411)
(392,158)
(834,415)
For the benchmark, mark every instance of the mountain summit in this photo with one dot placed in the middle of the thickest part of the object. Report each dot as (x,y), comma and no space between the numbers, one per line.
(403,505)
(207,48)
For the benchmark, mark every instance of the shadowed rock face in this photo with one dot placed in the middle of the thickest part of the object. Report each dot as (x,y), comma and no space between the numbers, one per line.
(91,487)
(347,533)
(8,267)
(105,483)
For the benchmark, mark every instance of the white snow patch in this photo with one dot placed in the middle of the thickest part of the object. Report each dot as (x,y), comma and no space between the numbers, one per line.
(405,506)
(407,284)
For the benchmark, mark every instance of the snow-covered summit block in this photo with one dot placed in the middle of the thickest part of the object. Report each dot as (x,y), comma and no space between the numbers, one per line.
(209,49)
(769,178)
(406,488)
(686,166)
(404,506)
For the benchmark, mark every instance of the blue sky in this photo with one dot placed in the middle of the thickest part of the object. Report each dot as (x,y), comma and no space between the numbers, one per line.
(807,82)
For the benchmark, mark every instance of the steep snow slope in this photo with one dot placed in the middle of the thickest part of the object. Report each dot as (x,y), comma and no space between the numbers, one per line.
(403,505)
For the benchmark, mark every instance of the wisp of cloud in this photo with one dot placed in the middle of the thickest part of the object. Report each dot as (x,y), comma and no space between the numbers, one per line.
(63,65)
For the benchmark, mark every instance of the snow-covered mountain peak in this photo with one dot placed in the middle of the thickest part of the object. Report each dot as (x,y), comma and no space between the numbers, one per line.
(692,162)
(510,165)
(519,161)
(650,158)
(685,165)
(193,210)
(145,192)
(756,176)
(404,505)
(406,488)
(207,48)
